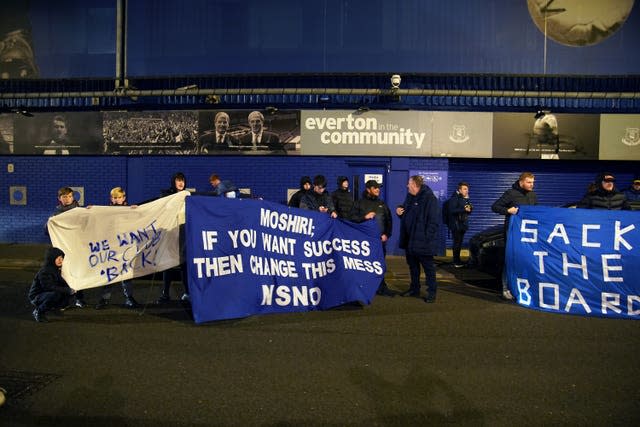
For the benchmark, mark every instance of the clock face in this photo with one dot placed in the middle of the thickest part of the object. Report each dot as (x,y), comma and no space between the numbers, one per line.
(579,22)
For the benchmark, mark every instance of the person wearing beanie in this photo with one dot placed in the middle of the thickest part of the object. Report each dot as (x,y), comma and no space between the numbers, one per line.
(305,188)
(605,195)
(342,198)
(49,291)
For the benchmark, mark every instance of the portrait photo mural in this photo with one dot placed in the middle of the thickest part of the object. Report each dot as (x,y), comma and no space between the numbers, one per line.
(545,135)
(248,132)
(58,134)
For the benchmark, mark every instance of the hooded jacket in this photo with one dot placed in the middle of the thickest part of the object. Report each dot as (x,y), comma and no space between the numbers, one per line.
(49,278)
(294,201)
(420,223)
(342,199)
(172,188)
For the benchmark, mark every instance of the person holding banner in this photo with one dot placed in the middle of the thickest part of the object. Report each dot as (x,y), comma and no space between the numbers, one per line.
(318,199)
(371,207)
(222,188)
(605,196)
(521,193)
(66,202)
(419,231)
(633,191)
(118,198)
(178,183)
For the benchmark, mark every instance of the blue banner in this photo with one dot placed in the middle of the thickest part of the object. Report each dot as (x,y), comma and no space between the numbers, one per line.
(575,261)
(248,256)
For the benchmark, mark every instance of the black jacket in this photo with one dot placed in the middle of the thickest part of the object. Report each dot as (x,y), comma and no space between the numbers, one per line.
(420,223)
(366,204)
(312,201)
(343,202)
(457,216)
(49,278)
(513,197)
(294,201)
(602,199)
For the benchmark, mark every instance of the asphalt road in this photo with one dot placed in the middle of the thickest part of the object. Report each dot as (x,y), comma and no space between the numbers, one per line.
(470,359)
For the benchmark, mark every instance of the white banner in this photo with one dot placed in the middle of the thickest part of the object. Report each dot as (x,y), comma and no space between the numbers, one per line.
(106,244)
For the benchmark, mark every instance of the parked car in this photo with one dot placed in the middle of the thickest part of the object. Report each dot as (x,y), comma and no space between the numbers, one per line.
(486,250)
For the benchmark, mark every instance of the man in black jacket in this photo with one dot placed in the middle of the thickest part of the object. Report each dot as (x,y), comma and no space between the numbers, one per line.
(457,217)
(419,230)
(371,207)
(305,188)
(521,193)
(318,199)
(49,291)
(605,196)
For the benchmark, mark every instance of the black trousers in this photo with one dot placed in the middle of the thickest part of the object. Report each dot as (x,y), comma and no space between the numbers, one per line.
(458,237)
(426,262)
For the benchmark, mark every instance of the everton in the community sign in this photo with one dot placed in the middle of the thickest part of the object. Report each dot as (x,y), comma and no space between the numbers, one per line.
(248,257)
(575,261)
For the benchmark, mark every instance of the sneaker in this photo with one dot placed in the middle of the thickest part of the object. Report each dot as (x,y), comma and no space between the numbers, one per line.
(163,299)
(506,295)
(185,297)
(131,303)
(102,303)
(80,303)
(430,300)
(458,265)
(39,316)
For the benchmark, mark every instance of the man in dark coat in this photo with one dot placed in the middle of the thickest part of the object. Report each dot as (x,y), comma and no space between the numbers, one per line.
(419,230)
(605,196)
(318,199)
(305,188)
(521,193)
(219,140)
(371,207)
(258,138)
(342,198)
(49,291)
(458,210)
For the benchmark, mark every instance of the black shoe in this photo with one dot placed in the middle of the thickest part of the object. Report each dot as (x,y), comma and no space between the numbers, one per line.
(410,293)
(386,292)
(131,303)
(458,264)
(430,300)
(39,316)
(80,303)
(102,304)
(163,299)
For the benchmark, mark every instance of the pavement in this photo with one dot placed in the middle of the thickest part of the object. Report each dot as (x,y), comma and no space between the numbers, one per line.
(469,359)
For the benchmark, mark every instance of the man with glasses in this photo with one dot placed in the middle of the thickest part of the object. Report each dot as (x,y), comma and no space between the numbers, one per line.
(318,199)
(605,196)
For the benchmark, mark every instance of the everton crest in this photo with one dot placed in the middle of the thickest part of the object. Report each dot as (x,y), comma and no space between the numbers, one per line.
(631,137)
(458,134)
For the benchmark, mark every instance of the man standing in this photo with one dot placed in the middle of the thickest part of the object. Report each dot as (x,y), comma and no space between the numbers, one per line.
(458,209)
(371,207)
(521,193)
(419,227)
(318,199)
(605,196)
(305,188)
(342,198)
